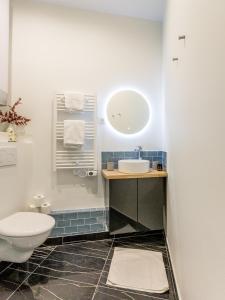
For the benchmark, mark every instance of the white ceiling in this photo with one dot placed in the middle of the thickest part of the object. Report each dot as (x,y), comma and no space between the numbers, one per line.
(145,9)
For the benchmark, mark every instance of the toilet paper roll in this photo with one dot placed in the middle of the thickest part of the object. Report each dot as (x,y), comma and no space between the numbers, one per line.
(38,200)
(46,208)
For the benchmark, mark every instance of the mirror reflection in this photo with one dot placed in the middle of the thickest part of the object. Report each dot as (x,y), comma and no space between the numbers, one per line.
(128,112)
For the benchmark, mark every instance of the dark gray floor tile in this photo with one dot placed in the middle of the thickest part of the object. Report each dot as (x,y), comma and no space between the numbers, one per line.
(173,292)
(42,252)
(149,239)
(28,266)
(108,261)
(53,241)
(4,265)
(77,262)
(36,259)
(140,245)
(104,293)
(94,249)
(59,270)
(39,287)
(84,257)
(9,281)
(138,233)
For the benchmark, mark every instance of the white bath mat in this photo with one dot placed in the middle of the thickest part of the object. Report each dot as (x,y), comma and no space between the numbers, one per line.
(137,269)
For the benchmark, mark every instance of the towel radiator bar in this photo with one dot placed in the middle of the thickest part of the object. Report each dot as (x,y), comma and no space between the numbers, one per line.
(74,157)
(70,159)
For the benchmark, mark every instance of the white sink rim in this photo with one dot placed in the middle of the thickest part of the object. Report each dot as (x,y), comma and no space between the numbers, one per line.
(133,166)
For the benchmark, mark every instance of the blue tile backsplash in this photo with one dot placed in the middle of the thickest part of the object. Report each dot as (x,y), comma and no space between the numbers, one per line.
(159,156)
(82,221)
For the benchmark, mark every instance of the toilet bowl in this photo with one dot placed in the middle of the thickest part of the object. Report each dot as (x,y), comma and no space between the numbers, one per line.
(21,233)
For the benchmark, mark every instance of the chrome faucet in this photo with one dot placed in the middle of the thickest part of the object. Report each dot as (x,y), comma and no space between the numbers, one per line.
(138,150)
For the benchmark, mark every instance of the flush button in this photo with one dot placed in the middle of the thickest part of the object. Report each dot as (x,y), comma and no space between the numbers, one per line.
(8,156)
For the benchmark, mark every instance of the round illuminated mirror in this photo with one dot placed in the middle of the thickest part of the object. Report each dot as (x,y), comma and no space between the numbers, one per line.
(128,112)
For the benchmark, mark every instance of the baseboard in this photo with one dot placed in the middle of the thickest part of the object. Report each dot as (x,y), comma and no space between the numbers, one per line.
(174,271)
(55,241)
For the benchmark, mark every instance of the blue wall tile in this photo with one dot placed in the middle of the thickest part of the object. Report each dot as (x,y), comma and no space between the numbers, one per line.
(69,216)
(131,154)
(97,213)
(58,217)
(84,214)
(119,155)
(72,229)
(62,223)
(79,222)
(57,232)
(107,156)
(159,156)
(97,227)
(153,153)
(104,166)
(90,221)
(83,228)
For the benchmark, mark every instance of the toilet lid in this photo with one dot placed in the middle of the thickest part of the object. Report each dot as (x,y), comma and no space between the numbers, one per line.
(24,224)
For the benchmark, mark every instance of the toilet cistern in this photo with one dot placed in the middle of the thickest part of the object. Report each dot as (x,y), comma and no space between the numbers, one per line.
(138,149)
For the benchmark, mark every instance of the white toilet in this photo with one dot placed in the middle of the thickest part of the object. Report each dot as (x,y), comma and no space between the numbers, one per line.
(21,233)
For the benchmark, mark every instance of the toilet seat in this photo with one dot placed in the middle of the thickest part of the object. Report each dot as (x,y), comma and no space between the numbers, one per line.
(25,224)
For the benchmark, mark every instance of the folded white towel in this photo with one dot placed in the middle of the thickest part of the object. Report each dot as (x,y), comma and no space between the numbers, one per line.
(74,101)
(74,131)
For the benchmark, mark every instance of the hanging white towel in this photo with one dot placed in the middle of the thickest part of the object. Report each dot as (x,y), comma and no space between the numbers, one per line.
(74,101)
(74,132)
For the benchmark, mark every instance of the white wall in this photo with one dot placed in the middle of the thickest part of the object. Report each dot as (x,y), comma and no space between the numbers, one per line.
(195,126)
(4,42)
(15,179)
(59,49)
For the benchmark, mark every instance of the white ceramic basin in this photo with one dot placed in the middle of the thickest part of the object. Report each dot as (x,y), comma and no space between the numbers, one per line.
(133,166)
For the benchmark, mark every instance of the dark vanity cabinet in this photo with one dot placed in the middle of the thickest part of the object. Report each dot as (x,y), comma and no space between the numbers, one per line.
(136,204)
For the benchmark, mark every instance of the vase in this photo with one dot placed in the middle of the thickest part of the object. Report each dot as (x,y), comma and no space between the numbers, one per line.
(11,133)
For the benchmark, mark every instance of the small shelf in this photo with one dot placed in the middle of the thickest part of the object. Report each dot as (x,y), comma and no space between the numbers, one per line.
(118,175)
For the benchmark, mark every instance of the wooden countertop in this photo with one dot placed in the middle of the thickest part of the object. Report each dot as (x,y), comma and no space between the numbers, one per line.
(118,175)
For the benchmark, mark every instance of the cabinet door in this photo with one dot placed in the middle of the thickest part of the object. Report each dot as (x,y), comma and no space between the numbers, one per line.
(151,199)
(123,206)
(123,197)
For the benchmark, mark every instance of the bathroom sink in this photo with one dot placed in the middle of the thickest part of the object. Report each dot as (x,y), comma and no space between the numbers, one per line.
(133,166)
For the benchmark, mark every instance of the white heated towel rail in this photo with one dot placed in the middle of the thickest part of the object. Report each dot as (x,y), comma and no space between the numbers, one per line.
(72,159)
(84,157)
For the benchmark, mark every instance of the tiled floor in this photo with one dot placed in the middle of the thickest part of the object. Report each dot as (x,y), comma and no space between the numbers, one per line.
(78,271)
